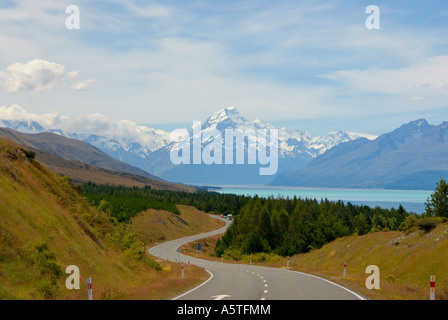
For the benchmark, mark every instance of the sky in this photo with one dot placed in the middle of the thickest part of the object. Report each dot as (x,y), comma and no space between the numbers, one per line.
(311,65)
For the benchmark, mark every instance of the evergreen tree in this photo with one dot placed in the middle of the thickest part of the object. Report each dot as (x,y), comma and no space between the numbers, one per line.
(437,204)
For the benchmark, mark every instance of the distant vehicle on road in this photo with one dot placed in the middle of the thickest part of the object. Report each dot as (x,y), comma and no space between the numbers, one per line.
(229,216)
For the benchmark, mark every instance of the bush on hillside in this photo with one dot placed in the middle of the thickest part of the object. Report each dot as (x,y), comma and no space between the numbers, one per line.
(428,224)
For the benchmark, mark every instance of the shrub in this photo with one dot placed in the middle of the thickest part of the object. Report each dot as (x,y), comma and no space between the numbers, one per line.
(408,225)
(428,224)
(263,257)
(232,254)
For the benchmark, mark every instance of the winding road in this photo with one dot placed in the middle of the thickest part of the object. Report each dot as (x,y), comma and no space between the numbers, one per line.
(249,282)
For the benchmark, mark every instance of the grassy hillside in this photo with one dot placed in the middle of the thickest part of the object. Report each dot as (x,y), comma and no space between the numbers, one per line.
(45,225)
(83,163)
(158,225)
(406,261)
(84,173)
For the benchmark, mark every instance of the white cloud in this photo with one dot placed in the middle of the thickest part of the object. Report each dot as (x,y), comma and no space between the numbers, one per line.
(96,123)
(81,85)
(417,98)
(17,113)
(38,76)
(428,75)
(153,10)
(72,74)
(35,75)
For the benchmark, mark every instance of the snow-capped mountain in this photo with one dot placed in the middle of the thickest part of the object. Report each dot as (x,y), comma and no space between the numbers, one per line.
(414,156)
(291,141)
(24,126)
(149,149)
(296,149)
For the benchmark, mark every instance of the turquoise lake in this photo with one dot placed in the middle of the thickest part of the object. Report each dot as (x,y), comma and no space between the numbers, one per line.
(411,200)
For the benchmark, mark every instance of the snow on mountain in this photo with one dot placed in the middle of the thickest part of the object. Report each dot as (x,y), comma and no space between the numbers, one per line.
(296,149)
(148,148)
(22,126)
(290,141)
(413,156)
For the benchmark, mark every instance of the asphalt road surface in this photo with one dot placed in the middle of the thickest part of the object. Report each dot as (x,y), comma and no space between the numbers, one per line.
(249,282)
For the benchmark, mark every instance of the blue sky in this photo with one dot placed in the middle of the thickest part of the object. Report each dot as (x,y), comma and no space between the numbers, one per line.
(311,65)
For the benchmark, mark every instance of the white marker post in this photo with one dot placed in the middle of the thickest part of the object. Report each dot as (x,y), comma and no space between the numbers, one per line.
(89,288)
(432,288)
(182,270)
(287,264)
(345,268)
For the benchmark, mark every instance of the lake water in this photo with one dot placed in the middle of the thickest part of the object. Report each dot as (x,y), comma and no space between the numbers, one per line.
(411,200)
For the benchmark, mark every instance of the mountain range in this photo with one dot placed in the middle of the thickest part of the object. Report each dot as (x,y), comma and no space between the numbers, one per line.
(149,150)
(414,156)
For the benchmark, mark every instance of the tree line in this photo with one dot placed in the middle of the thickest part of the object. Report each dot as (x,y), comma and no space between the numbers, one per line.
(284,226)
(289,226)
(124,203)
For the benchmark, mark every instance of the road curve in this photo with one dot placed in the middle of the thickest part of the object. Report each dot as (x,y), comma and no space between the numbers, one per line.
(249,282)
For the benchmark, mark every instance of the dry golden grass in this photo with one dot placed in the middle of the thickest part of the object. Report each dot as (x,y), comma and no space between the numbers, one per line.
(406,262)
(38,209)
(153,226)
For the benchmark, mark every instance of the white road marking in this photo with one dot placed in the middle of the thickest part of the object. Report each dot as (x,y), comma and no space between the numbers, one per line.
(211,276)
(220,297)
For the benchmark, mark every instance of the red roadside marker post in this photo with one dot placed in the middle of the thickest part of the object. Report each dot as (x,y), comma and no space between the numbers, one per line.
(89,288)
(432,288)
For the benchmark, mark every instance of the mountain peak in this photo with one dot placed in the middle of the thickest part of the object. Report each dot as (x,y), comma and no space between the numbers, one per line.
(227,116)
(415,126)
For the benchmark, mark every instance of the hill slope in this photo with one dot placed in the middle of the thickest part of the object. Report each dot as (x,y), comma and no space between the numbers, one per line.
(45,225)
(413,156)
(69,149)
(84,163)
(406,262)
